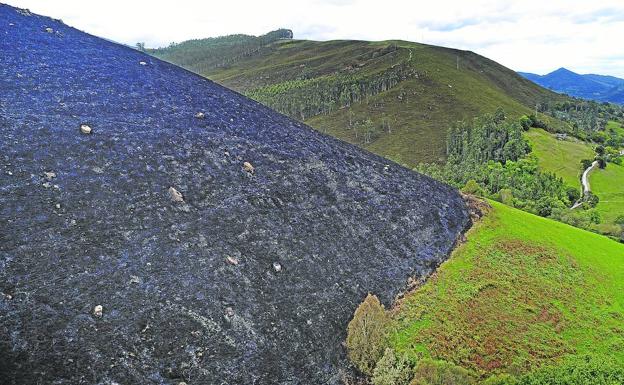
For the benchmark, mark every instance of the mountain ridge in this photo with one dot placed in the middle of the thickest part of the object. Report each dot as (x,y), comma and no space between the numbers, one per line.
(395,98)
(602,88)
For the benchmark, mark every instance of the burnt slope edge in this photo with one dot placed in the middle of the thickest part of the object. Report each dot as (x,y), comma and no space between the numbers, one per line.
(252,278)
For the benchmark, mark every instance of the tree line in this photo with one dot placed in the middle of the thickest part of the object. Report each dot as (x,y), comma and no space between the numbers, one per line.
(304,98)
(489,157)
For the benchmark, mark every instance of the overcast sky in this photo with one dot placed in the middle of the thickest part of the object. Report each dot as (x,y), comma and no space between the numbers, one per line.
(526,35)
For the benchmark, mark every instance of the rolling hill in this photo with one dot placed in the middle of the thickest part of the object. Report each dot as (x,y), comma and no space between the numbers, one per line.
(521,293)
(594,87)
(394,98)
(158,228)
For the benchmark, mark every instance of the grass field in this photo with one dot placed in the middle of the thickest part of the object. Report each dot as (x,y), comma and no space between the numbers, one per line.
(562,157)
(523,291)
(615,126)
(608,185)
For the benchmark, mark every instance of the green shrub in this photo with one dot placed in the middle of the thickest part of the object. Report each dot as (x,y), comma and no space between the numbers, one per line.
(525,122)
(366,334)
(537,123)
(500,379)
(429,372)
(472,187)
(585,164)
(591,199)
(573,193)
(506,197)
(391,370)
(583,371)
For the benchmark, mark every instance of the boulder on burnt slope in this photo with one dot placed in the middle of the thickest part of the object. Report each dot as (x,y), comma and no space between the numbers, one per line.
(105,279)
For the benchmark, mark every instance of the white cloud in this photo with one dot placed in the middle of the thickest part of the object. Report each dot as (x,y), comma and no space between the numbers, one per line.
(527,35)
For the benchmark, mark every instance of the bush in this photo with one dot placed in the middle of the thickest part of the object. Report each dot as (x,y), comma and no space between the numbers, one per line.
(537,123)
(585,164)
(582,219)
(594,217)
(391,370)
(584,371)
(500,379)
(366,334)
(429,372)
(591,199)
(573,193)
(602,161)
(472,187)
(525,122)
(506,197)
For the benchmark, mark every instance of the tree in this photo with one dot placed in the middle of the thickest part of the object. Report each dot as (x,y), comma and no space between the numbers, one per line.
(573,194)
(591,199)
(429,372)
(585,164)
(391,370)
(140,46)
(368,130)
(506,196)
(366,334)
(472,187)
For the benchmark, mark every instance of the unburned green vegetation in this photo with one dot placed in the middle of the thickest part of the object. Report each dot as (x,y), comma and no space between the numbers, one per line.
(525,299)
(564,157)
(608,185)
(560,156)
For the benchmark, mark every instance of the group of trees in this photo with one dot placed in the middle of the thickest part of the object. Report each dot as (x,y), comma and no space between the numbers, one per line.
(369,350)
(487,138)
(303,98)
(489,157)
(204,55)
(604,155)
(587,120)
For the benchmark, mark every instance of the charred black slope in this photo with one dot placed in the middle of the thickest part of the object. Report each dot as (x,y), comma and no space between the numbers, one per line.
(249,278)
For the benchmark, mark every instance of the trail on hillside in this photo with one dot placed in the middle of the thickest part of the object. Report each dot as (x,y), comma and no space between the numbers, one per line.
(585,184)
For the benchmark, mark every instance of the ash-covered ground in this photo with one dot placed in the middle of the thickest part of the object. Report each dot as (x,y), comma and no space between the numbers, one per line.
(207,270)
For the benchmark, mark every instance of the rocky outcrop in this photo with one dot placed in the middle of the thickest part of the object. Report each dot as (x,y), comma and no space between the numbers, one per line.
(242,275)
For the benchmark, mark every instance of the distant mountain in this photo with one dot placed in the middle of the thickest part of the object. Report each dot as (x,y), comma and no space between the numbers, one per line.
(591,86)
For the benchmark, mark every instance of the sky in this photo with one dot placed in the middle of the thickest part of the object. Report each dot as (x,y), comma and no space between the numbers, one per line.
(525,35)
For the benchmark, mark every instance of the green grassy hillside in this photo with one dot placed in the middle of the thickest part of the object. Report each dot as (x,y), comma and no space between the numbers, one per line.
(394,98)
(522,292)
(562,157)
(608,185)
